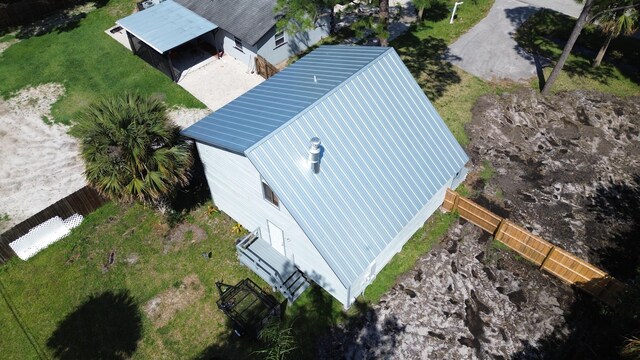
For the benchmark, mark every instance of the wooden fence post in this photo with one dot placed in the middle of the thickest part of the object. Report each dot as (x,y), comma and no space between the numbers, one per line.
(456,199)
(546,258)
(500,228)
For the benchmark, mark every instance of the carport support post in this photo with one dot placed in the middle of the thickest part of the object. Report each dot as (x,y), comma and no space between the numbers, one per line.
(173,76)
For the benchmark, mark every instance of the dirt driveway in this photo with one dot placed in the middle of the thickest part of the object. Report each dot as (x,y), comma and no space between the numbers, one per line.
(489,51)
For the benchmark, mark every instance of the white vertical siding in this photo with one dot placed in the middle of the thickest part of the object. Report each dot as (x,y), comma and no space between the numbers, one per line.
(398,242)
(236,189)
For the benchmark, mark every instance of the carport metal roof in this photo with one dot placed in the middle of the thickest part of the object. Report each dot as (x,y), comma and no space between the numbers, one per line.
(166,25)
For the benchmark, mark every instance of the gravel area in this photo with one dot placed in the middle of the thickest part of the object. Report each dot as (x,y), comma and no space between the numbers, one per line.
(220,81)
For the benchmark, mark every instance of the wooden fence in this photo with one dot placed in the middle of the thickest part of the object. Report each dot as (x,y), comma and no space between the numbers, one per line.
(265,68)
(545,255)
(83,202)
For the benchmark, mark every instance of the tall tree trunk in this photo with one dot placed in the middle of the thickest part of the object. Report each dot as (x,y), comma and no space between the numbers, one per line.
(582,20)
(384,22)
(420,13)
(603,50)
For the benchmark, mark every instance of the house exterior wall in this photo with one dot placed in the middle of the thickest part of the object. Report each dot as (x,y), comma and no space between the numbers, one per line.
(236,189)
(398,242)
(225,40)
(294,44)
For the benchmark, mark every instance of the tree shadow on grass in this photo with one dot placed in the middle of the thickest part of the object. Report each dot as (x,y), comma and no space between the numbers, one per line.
(428,60)
(229,346)
(105,326)
(436,12)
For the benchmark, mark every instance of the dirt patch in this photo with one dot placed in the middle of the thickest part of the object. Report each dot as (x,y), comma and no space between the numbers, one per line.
(41,163)
(162,308)
(567,167)
(486,306)
(182,235)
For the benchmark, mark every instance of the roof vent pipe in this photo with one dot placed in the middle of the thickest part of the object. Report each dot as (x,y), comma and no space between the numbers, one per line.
(315,150)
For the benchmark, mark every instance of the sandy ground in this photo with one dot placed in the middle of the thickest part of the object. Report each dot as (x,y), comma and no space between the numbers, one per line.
(220,81)
(41,163)
(186,117)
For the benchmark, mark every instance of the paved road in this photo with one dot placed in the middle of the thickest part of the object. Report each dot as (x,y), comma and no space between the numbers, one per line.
(489,51)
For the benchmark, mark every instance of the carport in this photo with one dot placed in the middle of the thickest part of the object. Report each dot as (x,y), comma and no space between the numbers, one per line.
(168,36)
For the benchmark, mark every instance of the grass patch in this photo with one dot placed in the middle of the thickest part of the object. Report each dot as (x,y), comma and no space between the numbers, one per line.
(487,171)
(89,63)
(61,279)
(545,33)
(436,23)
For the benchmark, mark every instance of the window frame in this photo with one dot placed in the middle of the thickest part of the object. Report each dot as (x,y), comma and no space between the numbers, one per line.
(282,38)
(238,43)
(269,195)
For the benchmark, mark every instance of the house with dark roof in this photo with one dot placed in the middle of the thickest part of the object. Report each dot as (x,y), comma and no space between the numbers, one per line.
(332,165)
(167,31)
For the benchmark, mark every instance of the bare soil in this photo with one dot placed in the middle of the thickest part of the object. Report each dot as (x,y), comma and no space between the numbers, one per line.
(566,167)
(41,163)
(162,308)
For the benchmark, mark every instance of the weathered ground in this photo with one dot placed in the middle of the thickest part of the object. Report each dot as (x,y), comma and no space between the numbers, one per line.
(566,167)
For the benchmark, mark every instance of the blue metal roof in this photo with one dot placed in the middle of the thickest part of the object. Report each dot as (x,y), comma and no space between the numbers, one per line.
(386,154)
(386,151)
(166,25)
(251,117)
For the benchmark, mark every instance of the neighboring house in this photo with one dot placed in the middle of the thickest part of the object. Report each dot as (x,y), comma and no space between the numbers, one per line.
(169,31)
(335,209)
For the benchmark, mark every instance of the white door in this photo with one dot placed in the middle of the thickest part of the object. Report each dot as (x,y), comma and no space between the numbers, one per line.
(277,237)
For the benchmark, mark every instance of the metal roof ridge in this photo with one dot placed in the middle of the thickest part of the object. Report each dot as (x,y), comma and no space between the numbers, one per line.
(312,105)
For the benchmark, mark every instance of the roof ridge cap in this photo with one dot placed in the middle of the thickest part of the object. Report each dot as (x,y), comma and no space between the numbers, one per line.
(312,105)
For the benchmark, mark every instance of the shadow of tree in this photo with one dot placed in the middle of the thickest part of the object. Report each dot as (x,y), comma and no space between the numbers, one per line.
(59,23)
(597,330)
(229,346)
(194,194)
(541,37)
(46,17)
(428,60)
(617,205)
(439,10)
(105,326)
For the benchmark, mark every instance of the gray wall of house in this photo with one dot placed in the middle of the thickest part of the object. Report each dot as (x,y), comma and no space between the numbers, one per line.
(395,246)
(236,189)
(247,54)
(293,43)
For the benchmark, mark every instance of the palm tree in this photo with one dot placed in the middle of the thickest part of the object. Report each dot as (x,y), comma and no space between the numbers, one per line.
(613,24)
(131,150)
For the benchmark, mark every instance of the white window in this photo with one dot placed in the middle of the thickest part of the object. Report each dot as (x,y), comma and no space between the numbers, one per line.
(238,43)
(279,38)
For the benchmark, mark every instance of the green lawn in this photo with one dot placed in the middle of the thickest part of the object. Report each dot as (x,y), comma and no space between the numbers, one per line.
(58,280)
(88,62)
(544,34)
